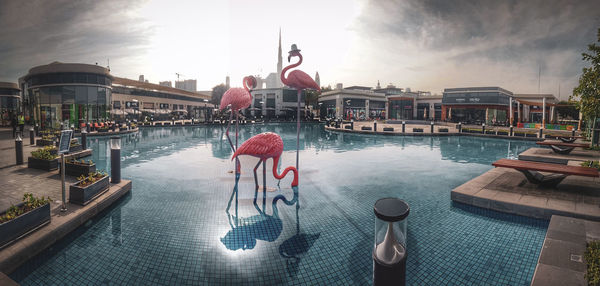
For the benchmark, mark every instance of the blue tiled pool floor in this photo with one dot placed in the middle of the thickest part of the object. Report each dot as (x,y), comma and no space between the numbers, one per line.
(173,229)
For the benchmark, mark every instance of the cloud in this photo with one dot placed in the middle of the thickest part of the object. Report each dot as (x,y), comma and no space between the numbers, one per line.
(515,37)
(39,32)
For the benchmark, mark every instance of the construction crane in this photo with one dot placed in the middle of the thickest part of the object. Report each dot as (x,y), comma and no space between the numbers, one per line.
(179,75)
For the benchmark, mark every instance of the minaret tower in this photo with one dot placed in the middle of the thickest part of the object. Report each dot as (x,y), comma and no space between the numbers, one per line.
(279,62)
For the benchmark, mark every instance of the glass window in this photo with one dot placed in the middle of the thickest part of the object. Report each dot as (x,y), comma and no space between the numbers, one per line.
(55,95)
(81,95)
(92,93)
(68,94)
(80,78)
(44,95)
(92,78)
(102,96)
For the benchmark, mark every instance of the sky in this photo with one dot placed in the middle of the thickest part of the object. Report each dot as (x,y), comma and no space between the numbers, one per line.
(523,46)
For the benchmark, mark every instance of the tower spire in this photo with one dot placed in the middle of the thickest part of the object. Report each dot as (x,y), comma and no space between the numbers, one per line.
(279,61)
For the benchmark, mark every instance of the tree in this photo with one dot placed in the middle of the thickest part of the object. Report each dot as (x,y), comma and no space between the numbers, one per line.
(217,93)
(567,110)
(588,90)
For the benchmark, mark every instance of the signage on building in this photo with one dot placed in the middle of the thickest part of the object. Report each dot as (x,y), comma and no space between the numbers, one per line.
(474,99)
(132,104)
(164,106)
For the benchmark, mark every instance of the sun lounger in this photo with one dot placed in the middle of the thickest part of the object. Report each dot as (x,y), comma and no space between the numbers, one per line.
(530,170)
(561,147)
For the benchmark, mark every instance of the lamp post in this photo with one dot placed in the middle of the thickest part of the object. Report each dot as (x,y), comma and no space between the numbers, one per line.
(389,252)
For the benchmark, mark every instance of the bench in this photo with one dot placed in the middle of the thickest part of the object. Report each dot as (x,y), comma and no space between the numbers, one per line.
(388,129)
(561,147)
(568,139)
(417,130)
(366,128)
(530,170)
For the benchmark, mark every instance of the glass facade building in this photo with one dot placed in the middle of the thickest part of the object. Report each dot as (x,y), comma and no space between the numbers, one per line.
(9,102)
(66,93)
(476,105)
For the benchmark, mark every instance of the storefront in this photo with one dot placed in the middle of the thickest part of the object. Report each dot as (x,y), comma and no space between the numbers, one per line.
(67,93)
(476,105)
(401,108)
(9,102)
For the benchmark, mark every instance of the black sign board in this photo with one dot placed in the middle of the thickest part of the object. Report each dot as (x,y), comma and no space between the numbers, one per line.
(65,141)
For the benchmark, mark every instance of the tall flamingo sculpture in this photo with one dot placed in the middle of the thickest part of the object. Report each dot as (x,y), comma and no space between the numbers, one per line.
(264,146)
(298,80)
(237,98)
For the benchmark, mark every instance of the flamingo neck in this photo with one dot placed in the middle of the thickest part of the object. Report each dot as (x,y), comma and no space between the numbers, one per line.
(246,86)
(283,79)
(287,170)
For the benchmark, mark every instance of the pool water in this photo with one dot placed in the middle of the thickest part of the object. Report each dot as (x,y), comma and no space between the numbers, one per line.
(181,225)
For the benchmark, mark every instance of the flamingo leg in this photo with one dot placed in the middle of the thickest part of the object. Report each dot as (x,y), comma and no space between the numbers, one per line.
(264,185)
(234,192)
(256,184)
(237,160)
(227,131)
(298,131)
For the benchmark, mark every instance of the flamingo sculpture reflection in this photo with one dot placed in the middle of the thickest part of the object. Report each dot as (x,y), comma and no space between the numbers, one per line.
(237,98)
(264,146)
(298,80)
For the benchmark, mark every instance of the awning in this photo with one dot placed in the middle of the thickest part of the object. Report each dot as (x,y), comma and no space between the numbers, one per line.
(533,103)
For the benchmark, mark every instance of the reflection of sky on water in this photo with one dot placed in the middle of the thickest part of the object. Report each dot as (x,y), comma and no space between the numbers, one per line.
(174,227)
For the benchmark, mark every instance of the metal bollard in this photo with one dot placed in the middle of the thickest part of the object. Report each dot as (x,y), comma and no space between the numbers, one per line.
(375,126)
(352,124)
(459,127)
(115,159)
(19,148)
(510,131)
(84,140)
(541,135)
(87,127)
(573,132)
(37,130)
(482,128)
(31,136)
(403,126)
(432,127)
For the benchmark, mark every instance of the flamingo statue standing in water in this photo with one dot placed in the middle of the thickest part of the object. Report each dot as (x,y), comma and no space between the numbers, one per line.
(264,146)
(237,98)
(298,80)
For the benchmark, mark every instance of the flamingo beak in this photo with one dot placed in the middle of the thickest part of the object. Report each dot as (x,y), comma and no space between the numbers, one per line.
(289,58)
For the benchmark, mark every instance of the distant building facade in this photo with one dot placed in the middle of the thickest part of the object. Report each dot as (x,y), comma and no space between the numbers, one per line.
(9,102)
(188,84)
(275,103)
(354,102)
(166,83)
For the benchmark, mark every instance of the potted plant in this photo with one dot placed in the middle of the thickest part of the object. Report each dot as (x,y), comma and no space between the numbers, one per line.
(77,168)
(21,219)
(43,159)
(47,140)
(88,187)
(74,146)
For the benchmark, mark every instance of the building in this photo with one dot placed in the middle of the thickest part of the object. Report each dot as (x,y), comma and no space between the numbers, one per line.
(66,93)
(166,83)
(72,93)
(188,84)
(404,104)
(9,102)
(278,103)
(134,99)
(535,108)
(354,102)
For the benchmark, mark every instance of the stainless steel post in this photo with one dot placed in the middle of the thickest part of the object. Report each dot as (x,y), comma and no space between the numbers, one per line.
(62,179)
(19,149)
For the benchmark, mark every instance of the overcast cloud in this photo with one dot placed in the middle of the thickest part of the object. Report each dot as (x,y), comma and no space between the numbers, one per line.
(423,44)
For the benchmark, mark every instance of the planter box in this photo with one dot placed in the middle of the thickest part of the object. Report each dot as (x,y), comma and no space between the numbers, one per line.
(365,128)
(347,127)
(14,229)
(388,129)
(490,132)
(502,132)
(77,170)
(42,164)
(83,195)
(43,142)
(417,130)
(530,135)
(177,123)
(443,130)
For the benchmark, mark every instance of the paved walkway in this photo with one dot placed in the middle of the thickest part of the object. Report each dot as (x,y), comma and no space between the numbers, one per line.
(561,260)
(508,190)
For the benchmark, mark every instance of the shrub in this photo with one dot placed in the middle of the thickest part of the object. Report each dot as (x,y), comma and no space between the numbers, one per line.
(44,153)
(30,203)
(592,257)
(90,178)
(591,164)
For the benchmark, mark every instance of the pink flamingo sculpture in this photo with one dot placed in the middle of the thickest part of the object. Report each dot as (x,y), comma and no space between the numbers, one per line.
(298,80)
(237,98)
(264,146)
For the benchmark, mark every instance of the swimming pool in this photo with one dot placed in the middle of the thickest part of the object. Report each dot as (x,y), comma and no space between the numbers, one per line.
(174,227)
